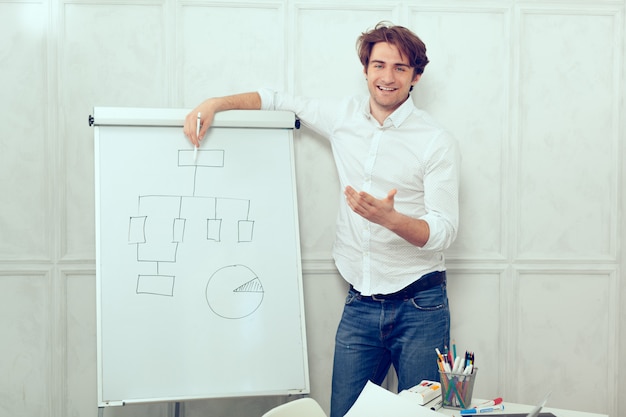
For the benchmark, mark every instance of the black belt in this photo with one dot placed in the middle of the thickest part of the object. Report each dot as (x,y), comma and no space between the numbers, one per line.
(426,282)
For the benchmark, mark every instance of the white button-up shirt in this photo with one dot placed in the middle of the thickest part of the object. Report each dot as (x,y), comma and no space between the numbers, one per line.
(409,152)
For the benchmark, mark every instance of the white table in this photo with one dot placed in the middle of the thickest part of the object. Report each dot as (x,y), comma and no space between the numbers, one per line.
(512,408)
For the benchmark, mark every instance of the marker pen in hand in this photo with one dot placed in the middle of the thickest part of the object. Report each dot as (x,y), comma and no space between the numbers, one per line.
(195,148)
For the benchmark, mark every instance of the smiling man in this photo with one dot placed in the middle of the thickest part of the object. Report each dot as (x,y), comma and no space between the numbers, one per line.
(399,171)
(390,78)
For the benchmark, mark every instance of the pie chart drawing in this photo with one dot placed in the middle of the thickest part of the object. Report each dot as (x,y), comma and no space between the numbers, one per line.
(234,292)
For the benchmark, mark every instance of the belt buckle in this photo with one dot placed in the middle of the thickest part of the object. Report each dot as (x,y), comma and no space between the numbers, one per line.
(400,295)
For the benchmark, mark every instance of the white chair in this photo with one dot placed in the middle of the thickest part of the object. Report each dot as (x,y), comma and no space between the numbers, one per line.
(302,407)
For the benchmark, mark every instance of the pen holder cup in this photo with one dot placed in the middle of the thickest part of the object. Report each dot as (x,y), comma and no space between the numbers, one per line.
(456,389)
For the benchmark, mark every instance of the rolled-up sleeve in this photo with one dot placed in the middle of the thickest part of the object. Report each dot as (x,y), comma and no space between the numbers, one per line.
(318,114)
(267,99)
(441,193)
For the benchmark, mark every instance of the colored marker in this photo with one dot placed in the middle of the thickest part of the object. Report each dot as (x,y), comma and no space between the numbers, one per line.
(437,405)
(468,370)
(495,401)
(457,365)
(480,410)
(195,148)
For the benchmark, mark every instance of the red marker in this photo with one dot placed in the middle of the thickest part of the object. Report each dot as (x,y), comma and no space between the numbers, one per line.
(489,403)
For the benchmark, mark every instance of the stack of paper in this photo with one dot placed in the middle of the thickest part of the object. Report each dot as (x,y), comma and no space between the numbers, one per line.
(375,401)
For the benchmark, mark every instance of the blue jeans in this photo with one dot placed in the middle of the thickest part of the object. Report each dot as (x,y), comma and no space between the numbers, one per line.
(373,334)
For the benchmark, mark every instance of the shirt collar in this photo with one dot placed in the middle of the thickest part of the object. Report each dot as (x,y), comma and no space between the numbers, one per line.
(397,117)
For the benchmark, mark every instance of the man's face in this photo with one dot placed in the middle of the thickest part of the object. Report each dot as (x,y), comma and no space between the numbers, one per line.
(389,79)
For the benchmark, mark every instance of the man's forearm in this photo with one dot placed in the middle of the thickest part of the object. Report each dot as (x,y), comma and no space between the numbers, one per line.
(207,109)
(414,231)
(243,101)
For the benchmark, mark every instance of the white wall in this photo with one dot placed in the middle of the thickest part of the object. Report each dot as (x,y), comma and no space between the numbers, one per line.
(533,90)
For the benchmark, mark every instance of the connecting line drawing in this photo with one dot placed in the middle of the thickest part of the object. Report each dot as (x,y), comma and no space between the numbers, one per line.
(162,223)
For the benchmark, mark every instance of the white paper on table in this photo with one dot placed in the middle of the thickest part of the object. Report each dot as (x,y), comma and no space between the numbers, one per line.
(375,401)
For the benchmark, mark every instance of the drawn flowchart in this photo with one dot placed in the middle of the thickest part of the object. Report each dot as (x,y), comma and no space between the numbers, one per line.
(158,231)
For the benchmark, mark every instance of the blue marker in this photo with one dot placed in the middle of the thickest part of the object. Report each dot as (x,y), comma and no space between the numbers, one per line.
(480,410)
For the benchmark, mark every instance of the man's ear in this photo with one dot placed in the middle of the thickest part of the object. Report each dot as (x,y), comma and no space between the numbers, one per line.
(416,79)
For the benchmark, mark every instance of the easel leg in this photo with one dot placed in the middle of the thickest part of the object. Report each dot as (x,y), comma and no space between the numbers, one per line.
(100,411)
(177,410)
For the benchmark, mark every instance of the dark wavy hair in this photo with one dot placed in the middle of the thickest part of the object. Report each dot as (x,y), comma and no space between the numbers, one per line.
(407,42)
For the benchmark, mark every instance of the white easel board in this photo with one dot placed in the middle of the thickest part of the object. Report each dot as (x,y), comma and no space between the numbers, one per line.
(199,281)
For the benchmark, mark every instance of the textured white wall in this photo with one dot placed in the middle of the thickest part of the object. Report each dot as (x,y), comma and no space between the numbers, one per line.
(534,92)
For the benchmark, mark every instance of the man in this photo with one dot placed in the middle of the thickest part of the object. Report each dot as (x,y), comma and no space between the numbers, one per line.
(400,173)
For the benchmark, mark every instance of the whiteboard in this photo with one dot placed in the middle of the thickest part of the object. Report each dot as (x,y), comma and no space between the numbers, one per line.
(199,282)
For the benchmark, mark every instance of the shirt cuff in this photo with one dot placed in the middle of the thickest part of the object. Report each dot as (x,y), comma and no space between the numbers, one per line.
(267,99)
(441,237)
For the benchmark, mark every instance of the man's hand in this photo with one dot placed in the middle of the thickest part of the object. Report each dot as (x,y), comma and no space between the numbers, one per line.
(208,108)
(371,208)
(207,113)
(382,212)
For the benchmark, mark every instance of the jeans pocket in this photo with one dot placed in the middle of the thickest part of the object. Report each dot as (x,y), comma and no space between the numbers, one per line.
(431,299)
(350,297)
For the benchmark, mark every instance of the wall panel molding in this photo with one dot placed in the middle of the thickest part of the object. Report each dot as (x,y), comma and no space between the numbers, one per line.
(27,359)
(557,136)
(584,323)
